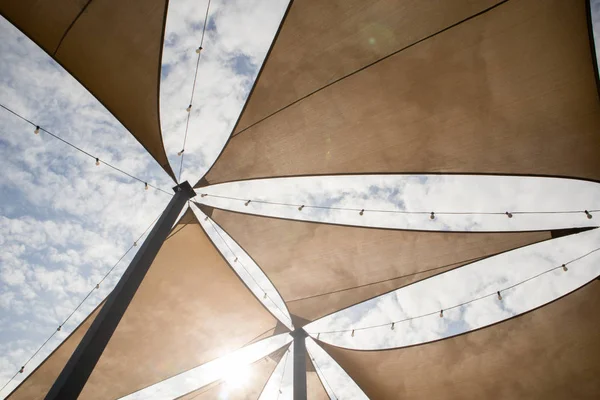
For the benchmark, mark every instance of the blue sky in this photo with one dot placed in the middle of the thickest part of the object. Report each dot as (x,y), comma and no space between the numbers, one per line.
(64,222)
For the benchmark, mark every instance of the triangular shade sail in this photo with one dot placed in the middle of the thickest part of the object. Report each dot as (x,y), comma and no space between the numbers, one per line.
(511,90)
(191,308)
(549,353)
(312,264)
(113,48)
(258,375)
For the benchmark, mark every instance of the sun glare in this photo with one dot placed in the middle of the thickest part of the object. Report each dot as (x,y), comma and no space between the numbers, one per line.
(237,378)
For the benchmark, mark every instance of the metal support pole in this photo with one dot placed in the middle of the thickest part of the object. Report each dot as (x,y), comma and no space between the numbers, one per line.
(299,364)
(78,369)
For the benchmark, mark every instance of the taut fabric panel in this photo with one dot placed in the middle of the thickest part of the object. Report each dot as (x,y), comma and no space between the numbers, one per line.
(305,259)
(191,308)
(322,41)
(509,91)
(112,47)
(37,385)
(258,375)
(550,353)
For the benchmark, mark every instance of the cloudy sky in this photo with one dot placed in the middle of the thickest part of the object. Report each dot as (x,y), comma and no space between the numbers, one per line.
(65,222)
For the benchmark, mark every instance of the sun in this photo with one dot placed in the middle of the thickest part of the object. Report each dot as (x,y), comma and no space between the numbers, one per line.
(237,377)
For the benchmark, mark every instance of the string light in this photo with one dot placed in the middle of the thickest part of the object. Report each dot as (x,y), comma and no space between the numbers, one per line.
(189,108)
(206,218)
(134,244)
(145,185)
(79,149)
(97,286)
(265,295)
(352,333)
(432,215)
(247,272)
(497,293)
(301,207)
(235,259)
(362,212)
(248,202)
(22,369)
(59,328)
(179,153)
(393,324)
(97,161)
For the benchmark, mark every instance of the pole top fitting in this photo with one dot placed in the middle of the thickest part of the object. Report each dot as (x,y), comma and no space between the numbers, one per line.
(299,333)
(185,187)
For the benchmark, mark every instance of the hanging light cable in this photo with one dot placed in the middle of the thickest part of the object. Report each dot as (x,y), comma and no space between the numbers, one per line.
(38,129)
(441,312)
(214,226)
(432,215)
(189,108)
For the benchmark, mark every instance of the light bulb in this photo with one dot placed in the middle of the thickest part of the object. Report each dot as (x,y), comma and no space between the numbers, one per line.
(37,130)
(97,161)
(135,244)
(22,369)
(499,295)
(352,333)
(58,329)
(206,218)
(203,195)
(189,108)
(432,215)
(235,260)
(564,267)
(98,286)
(393,323)
(199,49)
(301,207)
(265,296)
(179,153)
(508,214)
(145,185)
(441,313)
(587,214)
(362,212)
(248,202)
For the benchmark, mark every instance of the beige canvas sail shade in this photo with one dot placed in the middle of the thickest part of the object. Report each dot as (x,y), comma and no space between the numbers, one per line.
(190,309)
(511,91)
(312,264)
(335,38)
(247,388)
(113,48)
(550,353)
(39,382)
